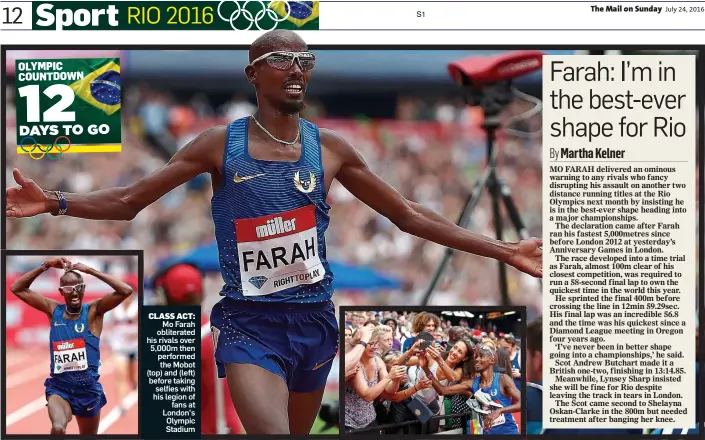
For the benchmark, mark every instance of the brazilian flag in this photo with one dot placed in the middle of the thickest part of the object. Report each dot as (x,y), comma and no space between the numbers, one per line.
(100,87)
(300,15)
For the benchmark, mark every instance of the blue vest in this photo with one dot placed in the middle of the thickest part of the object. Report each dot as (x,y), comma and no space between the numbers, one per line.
(270,221)
(74,350)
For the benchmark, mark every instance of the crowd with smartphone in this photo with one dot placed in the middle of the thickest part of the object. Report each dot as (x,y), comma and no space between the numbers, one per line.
(402,369)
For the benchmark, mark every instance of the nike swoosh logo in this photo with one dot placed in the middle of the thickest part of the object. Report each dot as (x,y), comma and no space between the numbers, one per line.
(88,409)
(322,364)
(56,324)
(239,179)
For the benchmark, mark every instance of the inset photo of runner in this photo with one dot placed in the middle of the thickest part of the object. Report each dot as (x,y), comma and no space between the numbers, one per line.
(432,371)
(71,352)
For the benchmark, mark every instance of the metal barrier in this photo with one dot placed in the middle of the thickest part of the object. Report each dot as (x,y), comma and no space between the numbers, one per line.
(379,428)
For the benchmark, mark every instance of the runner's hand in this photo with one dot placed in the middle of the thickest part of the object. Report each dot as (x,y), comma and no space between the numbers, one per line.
(80,267)
(25,200)
(58,263)
(528,257)
(491,418)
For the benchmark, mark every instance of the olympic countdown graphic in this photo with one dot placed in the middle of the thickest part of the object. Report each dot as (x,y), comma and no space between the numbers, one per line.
(66,106)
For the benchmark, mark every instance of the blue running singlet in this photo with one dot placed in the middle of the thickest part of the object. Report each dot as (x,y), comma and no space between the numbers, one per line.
(74,363)
(270,221)
(508,424)
(75,351)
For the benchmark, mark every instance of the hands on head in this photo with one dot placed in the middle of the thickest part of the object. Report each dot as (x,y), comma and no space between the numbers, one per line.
(58,263)
(65,263)
(26,199)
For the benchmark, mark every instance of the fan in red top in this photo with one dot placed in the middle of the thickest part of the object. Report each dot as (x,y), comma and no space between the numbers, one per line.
(182,284)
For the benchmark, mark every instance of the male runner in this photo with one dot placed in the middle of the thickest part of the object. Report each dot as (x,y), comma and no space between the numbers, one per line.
(74,343)
(501,389)
(275,329)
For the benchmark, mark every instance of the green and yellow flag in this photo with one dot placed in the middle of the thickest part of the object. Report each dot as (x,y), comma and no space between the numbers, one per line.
(100,87)
(301,15)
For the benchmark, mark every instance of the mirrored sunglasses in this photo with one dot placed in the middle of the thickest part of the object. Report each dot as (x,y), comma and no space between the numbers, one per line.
(285,60)
(71,289)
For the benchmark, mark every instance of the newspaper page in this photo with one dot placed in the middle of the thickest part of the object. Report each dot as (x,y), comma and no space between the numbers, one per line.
(303,194)
(619,255)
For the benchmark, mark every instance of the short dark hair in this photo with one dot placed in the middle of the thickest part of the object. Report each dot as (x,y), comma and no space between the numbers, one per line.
(272,40)
(76,274)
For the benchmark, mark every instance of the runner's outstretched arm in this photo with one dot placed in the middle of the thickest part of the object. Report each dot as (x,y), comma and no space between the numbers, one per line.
(121,203)
(108,302)
(412,218)
(21,286)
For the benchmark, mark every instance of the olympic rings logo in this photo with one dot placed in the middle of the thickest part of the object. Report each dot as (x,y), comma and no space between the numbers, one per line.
(253,19)
(44,150)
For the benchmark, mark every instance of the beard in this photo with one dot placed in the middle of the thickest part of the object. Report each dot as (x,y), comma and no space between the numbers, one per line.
(291,107)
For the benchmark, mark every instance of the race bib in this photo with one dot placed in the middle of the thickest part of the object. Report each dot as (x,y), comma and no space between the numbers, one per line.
(70,356)
(279,251)
(498,421)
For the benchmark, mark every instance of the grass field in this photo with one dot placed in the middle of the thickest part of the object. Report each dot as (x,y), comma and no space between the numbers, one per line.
(319,425)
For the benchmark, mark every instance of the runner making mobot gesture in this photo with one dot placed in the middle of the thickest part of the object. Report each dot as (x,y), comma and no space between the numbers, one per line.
(275,329)
(74,342)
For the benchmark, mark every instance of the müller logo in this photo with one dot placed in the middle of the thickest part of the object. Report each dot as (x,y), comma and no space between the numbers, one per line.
(275,226)
(65,346)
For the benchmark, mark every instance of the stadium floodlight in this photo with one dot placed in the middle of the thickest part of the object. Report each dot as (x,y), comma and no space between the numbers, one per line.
(487,82)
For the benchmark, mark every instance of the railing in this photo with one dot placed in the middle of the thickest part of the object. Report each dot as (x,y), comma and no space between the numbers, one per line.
(379,428)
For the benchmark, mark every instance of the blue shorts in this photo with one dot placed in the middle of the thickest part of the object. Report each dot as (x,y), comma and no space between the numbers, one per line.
(84,401)
(297,342)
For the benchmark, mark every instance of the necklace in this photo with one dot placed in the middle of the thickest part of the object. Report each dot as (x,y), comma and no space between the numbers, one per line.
(71,313)
(298,133)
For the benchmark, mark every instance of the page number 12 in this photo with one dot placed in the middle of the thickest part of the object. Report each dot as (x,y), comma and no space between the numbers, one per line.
(420,14)
(16,13)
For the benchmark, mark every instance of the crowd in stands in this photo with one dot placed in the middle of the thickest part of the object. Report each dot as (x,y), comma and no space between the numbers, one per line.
(401,369)
(430,151)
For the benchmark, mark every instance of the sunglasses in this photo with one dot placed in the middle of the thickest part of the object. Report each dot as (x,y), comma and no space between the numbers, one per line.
(487,350)
(285,60)
(70,289)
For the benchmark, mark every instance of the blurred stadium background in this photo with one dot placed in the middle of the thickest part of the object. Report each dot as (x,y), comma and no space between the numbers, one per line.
(28,356)
(398,107)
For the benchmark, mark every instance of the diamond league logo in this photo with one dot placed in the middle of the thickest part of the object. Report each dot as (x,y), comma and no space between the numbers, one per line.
(243,15)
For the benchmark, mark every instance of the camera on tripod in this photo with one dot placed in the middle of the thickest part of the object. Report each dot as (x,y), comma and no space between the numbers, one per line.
(487,82)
